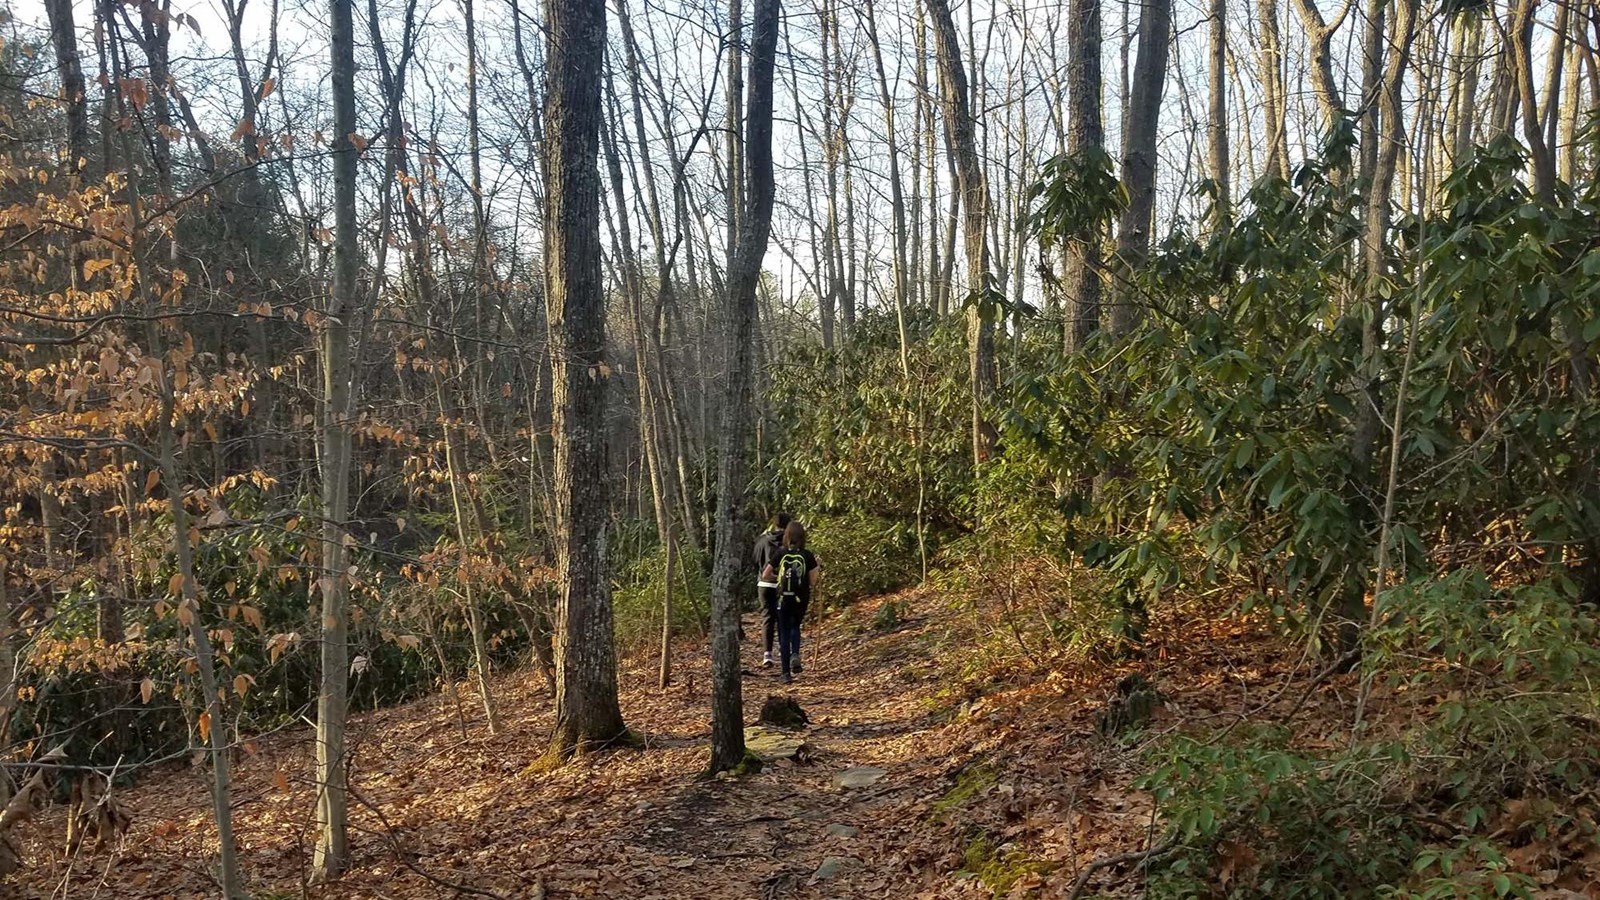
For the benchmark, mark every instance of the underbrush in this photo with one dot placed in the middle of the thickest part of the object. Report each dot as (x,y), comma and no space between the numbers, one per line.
(1458,760)
(1471,776)
(637,598)
(863,556)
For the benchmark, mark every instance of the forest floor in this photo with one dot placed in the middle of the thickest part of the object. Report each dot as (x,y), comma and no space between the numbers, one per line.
(992,784)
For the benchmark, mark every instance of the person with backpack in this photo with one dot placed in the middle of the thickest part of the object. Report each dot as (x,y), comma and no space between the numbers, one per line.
(766,555)
(796,573)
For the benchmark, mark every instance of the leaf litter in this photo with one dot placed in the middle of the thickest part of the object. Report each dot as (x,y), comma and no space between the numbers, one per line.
(941,777)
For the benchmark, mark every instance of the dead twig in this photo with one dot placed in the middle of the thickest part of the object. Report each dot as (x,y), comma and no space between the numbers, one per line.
(1167,845)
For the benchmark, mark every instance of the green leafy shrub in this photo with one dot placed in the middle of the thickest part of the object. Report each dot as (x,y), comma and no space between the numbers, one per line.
(1493,764)
(636,599)
(855,434)
(888,617)
(1221,441)
(863,556)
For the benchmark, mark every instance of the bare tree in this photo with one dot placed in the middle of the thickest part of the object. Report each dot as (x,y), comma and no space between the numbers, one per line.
(897,203)
(961,138)
(69,69)
(1139,154)
(587,714)
(1272,89)
(1086,136)
(744,276)
(333,847)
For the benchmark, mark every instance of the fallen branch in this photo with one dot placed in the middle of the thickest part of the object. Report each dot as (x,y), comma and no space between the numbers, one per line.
(19,809)
(1132,856)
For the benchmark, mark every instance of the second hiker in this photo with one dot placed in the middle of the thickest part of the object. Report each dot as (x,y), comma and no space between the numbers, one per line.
(795,573)
(766,556)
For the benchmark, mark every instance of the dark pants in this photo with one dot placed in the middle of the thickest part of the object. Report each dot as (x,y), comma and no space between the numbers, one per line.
(769,617)
(789,618)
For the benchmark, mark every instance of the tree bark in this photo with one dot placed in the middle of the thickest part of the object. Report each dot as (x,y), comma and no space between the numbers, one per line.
(938,286)
(215,736)
(1139,155)
(69,69)
(897,203)
(588,716)
(1272,90)
(1539,154)
(1086,135)
(744,275)
(1555,66)
(333,849)
(961,136)
(1387,133)
(1572,111)
(1217,121)
(1464,92)
(1319,38)
(470,525)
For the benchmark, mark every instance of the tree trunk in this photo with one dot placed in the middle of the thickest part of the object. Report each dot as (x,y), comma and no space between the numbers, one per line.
(832,142)
(665,672)
(744,275)
(215,734)
(1572,112)
(469,535)
(651,443)
(189,611)
(1539,155)
(731,108)
(1503,87)
(1086,136)
(961,136)
(333,847)
(1217,121)
(8,672)
(1319,37)
(1555,65)
(897,201)
(1272,90)
(1464,90)
(937,284)
(1388,137)
(69,69)
(1139,155)
(466,504)
(587,714)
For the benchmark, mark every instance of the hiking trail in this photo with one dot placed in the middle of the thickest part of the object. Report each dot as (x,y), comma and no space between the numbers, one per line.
(439,813)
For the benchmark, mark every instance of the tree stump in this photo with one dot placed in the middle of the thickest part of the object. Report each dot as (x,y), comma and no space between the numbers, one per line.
(783,712)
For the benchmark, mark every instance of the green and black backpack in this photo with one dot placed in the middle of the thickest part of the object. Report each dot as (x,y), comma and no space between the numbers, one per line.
(791,577)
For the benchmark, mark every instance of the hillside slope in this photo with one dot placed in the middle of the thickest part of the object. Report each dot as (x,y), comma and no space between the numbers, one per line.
(986,786)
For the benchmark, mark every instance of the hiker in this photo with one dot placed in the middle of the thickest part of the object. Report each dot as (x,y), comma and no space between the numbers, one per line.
(796,574)
(766,554)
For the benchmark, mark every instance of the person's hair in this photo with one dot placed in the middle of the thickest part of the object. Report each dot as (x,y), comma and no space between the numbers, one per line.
(781,521)
(795,536)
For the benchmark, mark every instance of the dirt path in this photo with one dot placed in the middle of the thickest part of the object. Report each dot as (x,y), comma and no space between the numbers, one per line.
(457,810)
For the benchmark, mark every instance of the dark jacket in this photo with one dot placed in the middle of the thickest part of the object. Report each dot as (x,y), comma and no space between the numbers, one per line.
(767,550)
